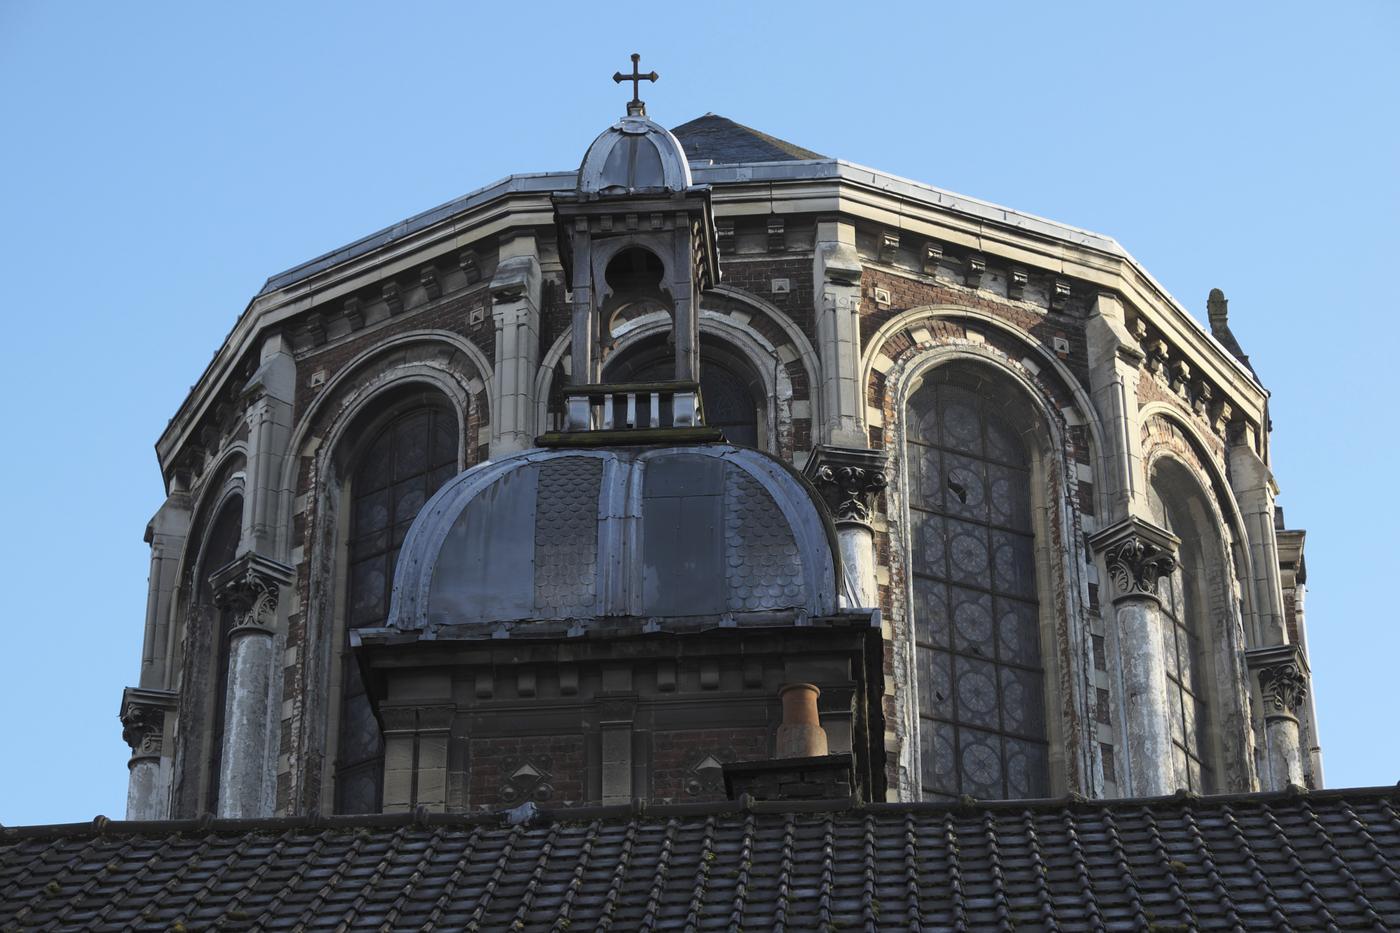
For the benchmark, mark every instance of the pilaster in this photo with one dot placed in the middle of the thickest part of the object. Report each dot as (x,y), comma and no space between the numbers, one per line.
(1114,357)
(836,274)
(515,302)
(849,479)
(251,588)
(269,395)
(1255,490)
(166,534)
(1137,554)
(144,715)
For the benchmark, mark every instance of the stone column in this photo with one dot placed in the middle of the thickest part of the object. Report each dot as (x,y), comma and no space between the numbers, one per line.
(1114,357)
(849,479)
(1273,657)
(1136,553)
(585,362)
(1282,673)
(251,588)
(836,272)
(143,716)
(515,302)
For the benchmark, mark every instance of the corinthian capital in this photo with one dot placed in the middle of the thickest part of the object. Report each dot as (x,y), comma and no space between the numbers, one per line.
(849,479)
(1283,678)
(143,720)
(250,587)
(1138,554)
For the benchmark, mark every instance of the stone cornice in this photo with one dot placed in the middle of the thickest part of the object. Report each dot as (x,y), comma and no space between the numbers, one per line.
(1137,554)
(825,186)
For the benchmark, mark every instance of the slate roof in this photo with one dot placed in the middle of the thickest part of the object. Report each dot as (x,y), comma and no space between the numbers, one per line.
(717,139)
(1325,860)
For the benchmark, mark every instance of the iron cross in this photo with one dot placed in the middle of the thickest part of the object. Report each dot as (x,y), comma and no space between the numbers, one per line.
(636,77)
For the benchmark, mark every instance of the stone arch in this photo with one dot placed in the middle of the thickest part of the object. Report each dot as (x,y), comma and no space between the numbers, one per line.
(777,348)
(943,325)
(196,643)
(426,363)
(1061,557)
(1176,469)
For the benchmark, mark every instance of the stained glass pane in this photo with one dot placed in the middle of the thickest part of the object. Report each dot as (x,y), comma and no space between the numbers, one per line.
(398,472)
(981,703)
(1185,665)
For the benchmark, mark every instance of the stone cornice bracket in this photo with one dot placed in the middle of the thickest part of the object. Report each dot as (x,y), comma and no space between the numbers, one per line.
(1283,679)
(251,586)
(143,720)
(1138,553)
(849,479)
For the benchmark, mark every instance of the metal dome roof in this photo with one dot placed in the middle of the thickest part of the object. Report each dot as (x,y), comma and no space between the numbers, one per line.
(712,534)
(634,156)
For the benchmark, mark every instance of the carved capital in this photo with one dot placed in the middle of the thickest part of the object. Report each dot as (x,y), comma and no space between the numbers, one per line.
(1283,678)
(250,587)
(849,479)
(143,720)
(1138,554)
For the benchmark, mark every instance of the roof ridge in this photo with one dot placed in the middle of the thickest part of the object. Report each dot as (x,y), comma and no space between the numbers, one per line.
(642,809)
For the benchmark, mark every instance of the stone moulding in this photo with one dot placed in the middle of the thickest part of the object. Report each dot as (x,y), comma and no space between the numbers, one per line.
(143,720)
(1138,553)
(1283,678)
(849,479)
(250,586)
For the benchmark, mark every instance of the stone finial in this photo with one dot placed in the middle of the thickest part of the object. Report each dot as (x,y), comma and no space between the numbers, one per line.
(1217,310)
(1137,553)
(801,735)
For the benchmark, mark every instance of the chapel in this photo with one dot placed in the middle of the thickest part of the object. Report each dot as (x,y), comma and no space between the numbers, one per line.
(719,536)
(547,493)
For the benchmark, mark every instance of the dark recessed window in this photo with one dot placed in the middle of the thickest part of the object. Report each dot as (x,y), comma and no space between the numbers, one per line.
(976,613)
(407,461)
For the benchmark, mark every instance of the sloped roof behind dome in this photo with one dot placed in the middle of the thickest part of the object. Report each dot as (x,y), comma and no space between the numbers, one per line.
(717,139)
(634,155)
(711,533)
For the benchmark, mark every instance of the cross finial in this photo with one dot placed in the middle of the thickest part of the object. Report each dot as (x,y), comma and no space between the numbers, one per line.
(636,107)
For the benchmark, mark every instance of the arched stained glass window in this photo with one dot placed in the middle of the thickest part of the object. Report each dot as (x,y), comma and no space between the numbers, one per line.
(220,548)
(976,615)
(1187,671)
(407,461)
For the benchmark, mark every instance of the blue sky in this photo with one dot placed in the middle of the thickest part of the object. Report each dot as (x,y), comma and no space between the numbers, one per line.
(161,160)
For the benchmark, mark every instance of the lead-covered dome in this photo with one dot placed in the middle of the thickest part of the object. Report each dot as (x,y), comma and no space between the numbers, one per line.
(634,156)
(564,540)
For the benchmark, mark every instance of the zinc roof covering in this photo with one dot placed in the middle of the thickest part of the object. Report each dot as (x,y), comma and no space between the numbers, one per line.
(1326,860)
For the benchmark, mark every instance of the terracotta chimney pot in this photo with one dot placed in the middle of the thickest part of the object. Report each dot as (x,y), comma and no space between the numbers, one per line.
(801,734)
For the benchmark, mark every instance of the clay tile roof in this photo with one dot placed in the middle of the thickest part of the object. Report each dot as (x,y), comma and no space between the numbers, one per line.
(717,139)
(1325,860)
